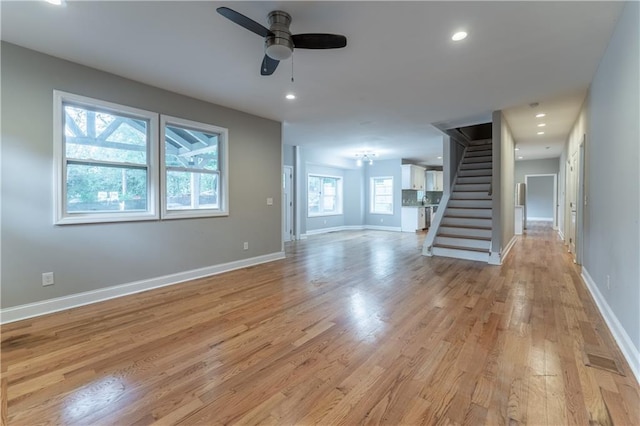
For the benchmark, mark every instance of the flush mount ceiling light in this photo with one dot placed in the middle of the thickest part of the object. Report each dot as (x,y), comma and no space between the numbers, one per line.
(541,133)
(541,125)
(540,115)
(364,157)
(460,35)
(290,96)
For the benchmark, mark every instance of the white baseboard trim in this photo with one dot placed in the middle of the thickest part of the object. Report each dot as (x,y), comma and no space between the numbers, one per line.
(561,234)
(508,248)
(629,351)
(540,219)
(30,310)
(383,228)
(350,228)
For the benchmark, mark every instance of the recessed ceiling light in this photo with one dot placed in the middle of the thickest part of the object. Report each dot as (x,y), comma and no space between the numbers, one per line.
(439,158)
(541,125)
(520,157)
(290,96)
(517,149)
(542,114)
(460,35)
(56,2)
(541,133)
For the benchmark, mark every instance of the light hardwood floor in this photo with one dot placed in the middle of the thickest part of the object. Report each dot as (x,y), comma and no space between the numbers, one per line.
(353,327)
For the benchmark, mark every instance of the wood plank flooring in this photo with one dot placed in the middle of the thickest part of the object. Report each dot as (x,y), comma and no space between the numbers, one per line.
(352,328)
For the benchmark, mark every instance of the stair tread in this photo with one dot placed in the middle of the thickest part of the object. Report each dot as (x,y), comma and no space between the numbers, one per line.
(466,217)
(482,228)
(446,246)
(464,237)
(472,208)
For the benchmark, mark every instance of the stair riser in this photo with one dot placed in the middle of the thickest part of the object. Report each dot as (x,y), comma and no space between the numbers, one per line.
(474,179)
(470,173)
(480,213)
(483,153)
(469,160)
(459,221)
(461,254)
(472,187)
(477,166)
(463,242)
(465,232)
(480,204)
(480,142)
(461,195)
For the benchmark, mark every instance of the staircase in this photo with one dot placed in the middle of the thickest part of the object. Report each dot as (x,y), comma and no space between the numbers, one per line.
(465,229)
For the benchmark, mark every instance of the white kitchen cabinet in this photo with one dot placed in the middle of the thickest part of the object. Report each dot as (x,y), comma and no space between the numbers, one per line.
(413,177)
(413,219)
(435,180)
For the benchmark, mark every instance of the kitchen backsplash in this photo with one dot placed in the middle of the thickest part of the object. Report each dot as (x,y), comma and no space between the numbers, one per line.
(411,197)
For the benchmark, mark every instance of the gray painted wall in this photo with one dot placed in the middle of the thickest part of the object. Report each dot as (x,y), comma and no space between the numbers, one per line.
(536,167)
(503,184)
(354,200)
(288,155)
(382,169)
(94,256)
(612,232)
(540,200)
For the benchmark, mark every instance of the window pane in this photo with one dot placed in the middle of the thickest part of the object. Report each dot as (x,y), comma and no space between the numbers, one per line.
(92,188)
(314,194)
(190,148)
(186,190)
(382,195)
(104,136)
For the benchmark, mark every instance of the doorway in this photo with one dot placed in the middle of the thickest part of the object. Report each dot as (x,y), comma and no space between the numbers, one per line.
(542,198)
(287,203)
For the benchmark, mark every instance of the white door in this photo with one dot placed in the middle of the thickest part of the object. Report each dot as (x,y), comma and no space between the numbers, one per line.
(287,203)
(572,189)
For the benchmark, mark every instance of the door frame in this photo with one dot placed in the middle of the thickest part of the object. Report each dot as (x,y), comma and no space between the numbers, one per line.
(555,194)
(287,204)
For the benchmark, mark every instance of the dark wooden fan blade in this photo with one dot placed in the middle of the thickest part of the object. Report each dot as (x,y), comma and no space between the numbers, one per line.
(243,21)
(269,65)
(319,41)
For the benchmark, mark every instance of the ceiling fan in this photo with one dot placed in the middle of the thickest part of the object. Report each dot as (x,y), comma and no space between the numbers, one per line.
(278,40)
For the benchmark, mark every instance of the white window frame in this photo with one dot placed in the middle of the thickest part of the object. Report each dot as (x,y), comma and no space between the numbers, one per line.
(339,195)
(223,170)
(373,195)
(61,216)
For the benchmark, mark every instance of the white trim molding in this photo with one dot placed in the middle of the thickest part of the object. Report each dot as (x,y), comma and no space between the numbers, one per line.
(30,310)
(629,351)
(350,228)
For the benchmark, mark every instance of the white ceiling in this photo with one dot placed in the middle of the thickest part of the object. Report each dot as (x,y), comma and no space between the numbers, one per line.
(399,73)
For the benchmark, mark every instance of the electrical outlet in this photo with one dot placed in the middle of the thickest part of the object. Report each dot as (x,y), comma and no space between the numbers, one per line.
(246,246)
(324,222)
(47,279)
(381,220)
(608,282)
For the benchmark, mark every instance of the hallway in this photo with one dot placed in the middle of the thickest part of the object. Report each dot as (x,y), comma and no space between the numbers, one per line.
(353,327)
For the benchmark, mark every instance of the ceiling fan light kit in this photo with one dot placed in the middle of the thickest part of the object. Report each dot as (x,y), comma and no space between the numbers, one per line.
(278,40)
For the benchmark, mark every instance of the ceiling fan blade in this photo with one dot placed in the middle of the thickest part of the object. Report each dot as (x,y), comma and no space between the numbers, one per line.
(243,21)
(268,66)
(319,41)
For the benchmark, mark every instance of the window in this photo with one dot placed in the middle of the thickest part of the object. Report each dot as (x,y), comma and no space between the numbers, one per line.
(105,161)
(382,195)
(324,195)
(194,166)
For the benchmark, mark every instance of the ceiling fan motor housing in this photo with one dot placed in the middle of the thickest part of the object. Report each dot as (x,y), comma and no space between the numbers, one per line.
(279,46)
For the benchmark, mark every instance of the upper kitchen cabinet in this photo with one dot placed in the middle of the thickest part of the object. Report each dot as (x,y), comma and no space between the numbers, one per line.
(435,180)
(413,177)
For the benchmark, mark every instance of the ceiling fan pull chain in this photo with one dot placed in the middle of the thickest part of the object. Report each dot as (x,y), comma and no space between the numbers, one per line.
(292,67)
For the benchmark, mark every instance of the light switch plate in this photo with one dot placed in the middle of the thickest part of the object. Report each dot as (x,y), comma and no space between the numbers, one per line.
(269,201)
